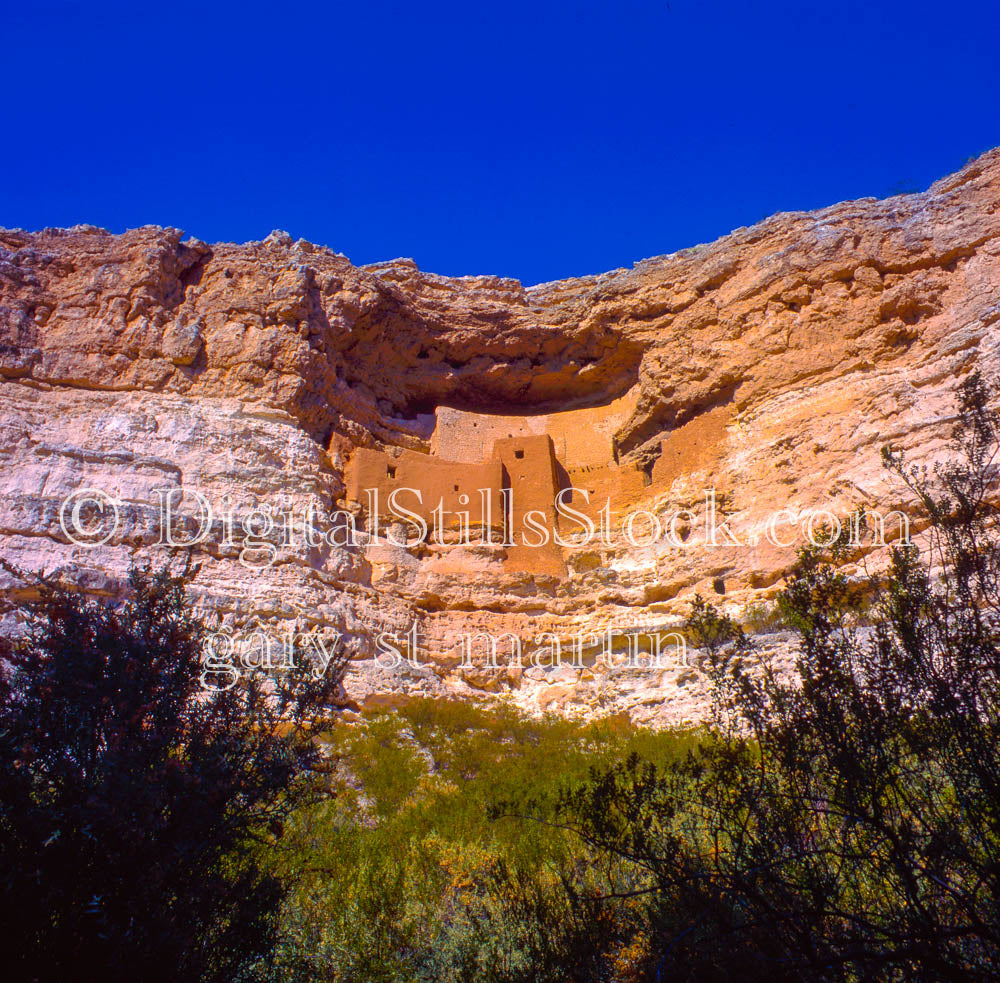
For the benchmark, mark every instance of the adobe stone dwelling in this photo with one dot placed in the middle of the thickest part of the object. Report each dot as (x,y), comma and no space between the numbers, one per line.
(472,458)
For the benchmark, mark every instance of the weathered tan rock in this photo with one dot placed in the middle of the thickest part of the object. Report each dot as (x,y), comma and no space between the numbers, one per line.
(771,365)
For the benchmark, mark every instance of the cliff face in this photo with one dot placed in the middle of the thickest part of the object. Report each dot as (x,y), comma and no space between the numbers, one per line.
(769,366)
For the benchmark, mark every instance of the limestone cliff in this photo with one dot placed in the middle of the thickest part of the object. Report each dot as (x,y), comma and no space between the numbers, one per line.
(769,366)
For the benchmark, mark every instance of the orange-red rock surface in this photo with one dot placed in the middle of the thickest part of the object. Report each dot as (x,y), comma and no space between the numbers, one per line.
(771,365)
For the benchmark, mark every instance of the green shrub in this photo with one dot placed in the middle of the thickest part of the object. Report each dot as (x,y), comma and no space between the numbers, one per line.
(136,810)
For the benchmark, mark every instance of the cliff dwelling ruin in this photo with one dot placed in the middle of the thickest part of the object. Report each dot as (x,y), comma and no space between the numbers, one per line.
(472,458)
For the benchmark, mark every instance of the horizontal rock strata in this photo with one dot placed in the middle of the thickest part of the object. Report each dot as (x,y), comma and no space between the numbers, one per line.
(769,367)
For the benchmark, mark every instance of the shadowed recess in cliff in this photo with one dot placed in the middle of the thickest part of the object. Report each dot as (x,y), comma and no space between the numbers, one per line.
(484,358)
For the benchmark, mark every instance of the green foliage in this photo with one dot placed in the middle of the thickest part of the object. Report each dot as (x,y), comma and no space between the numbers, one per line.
(414,870)
(760,618)
(136,809)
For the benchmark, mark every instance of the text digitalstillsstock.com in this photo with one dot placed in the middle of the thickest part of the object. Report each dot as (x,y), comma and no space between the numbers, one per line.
(90,517)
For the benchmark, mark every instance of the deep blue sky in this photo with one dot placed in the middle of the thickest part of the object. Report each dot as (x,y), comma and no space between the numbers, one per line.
(536,140)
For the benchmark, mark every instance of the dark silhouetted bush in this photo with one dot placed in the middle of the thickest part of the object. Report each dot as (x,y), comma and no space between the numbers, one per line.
(136,808)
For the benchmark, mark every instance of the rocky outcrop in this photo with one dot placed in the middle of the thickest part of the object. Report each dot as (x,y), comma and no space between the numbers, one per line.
(769,366)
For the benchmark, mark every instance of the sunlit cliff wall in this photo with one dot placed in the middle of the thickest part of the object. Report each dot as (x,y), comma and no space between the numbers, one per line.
(770,367)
